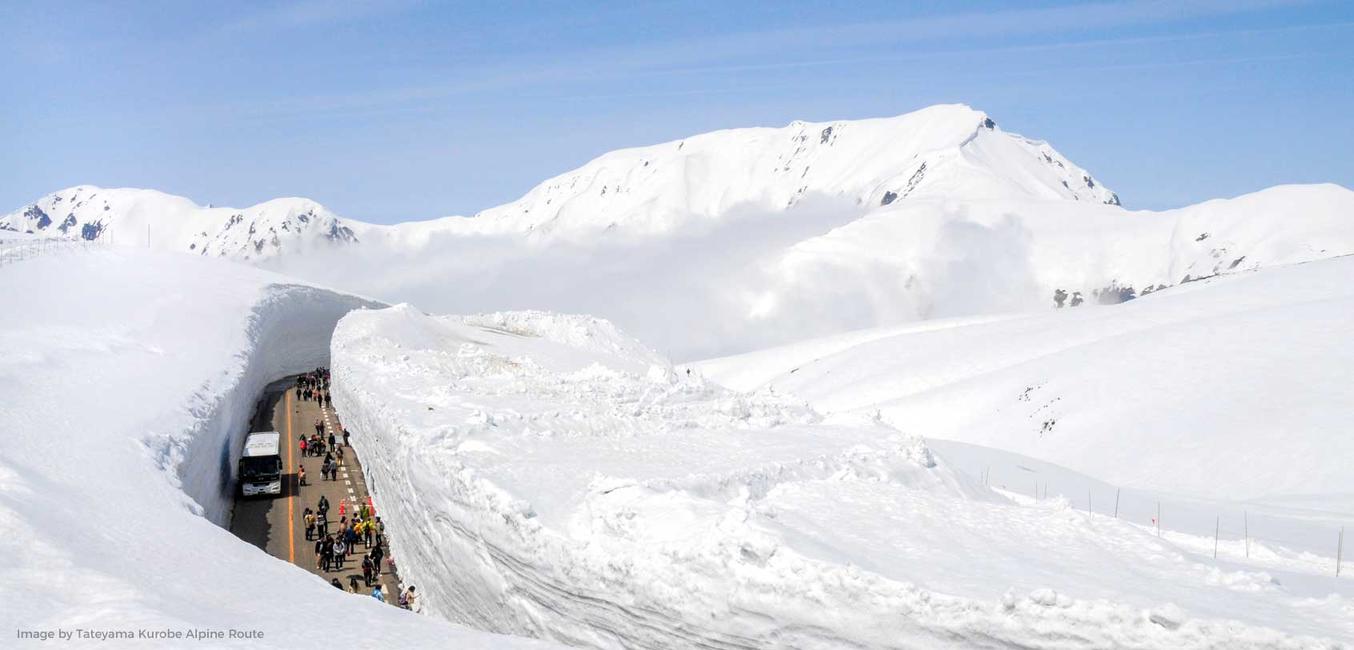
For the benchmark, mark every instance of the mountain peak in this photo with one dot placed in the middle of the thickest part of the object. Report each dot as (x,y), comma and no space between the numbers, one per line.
(938,152)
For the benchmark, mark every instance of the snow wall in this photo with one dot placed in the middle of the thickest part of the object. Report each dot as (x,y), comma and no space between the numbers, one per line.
(289,332)
(548,485)
(126,383)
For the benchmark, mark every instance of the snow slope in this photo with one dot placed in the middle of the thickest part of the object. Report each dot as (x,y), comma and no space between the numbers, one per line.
(128,379)
(1232,388)
(565,483)
(949,258)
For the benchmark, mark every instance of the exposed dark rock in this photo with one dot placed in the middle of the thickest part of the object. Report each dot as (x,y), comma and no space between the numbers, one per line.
(889,197)
(34,212)
(916,179)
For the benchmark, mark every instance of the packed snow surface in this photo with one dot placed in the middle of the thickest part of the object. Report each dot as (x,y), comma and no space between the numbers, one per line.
(128,380)
(557,479)
(1231,388)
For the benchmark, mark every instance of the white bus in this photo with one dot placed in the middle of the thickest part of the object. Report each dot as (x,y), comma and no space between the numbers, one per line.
(261,464)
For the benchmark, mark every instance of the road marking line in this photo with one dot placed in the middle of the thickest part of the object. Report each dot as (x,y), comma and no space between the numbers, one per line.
(291,518)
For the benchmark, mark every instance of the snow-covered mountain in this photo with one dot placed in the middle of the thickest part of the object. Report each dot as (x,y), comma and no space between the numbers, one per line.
(147,218)
(745,238)
(942,151)
(947,151)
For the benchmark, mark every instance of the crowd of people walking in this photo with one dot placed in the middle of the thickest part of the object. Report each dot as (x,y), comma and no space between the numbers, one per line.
(358,535)
(314,387)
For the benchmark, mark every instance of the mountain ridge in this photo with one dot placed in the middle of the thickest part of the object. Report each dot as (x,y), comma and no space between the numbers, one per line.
(944,150)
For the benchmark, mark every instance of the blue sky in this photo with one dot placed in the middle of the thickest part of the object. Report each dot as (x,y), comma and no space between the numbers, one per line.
(396,110)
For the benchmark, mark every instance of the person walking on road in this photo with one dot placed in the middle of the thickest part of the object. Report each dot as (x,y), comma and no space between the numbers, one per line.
(376,556)
(303,445)
(309,518)
(319,553)
(352,582)
(350,536)
(337,585)
(345,437)
(366,569)
(300,474)
(327,553)
(376,593)
(339,549)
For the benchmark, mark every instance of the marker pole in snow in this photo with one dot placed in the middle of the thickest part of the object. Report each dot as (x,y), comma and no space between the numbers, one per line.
(1116,503)
(1246,531)
(1339,551)
(1088,501)
(1158,519)
(1217,524)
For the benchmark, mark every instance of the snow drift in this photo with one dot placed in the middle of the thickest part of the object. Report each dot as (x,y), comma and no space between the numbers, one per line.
(561,481)
(128,380)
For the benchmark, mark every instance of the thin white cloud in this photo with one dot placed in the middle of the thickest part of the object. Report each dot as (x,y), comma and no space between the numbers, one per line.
(310,13)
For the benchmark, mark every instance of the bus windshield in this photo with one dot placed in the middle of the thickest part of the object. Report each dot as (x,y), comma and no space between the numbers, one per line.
(260,467)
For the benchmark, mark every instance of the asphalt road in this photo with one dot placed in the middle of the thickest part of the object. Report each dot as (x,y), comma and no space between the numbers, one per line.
(275,523)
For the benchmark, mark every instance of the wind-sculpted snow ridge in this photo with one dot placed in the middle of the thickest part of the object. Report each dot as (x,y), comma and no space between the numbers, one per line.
(566,492)
(129,379)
